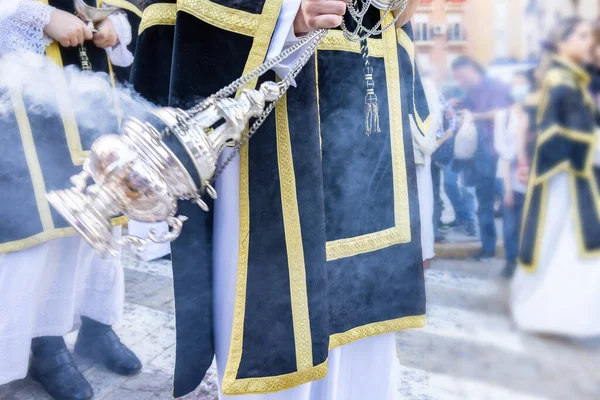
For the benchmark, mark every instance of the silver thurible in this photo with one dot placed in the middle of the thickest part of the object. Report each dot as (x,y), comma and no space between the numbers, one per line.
(137,175)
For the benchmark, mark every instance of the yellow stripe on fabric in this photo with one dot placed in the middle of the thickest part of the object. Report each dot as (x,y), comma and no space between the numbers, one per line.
(401,232)
(409,45)
(65,110)
(293,239)
(232,385)
(335,40)
(578,136)
(228,19)
(125,5)
(377,328)
(33,162)
(277,383)
(158,14)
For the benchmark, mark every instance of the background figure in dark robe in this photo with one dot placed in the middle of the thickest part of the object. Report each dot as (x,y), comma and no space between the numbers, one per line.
(314,241)
(555,290)
(47,280)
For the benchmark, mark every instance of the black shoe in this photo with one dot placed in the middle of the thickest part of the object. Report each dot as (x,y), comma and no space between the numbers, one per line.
(107,349)
(60,377)
(509,269)
(440,238)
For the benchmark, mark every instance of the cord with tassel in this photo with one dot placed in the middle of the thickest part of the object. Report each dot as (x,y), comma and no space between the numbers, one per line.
(371,104)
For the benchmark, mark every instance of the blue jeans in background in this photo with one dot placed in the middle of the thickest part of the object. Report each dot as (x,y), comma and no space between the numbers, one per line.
(461,197)
(512,226)
(485,190)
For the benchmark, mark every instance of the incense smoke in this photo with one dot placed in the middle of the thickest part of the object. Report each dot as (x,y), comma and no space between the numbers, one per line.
(89,95)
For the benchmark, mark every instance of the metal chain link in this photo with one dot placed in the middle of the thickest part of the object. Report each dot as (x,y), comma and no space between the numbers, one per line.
(311,41)
(358,17)
(284,86)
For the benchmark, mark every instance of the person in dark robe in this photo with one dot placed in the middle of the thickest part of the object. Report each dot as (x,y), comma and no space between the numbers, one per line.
(311,256)
(555,290)
(48,280)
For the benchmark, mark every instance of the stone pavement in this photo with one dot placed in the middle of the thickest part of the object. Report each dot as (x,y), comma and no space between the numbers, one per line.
(469,349)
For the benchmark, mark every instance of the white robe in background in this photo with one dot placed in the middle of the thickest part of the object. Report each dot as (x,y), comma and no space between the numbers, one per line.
(425,187)
(562,296)
(45,289)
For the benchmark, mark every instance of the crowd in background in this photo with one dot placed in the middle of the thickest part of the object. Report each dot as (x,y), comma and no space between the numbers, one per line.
(486,134)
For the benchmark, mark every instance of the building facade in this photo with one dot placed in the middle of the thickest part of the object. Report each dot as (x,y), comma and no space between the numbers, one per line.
(487,30)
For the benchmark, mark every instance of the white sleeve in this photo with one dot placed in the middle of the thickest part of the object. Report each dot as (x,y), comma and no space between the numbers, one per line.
(22,25)
(505,124)
(284,37)
(120,54)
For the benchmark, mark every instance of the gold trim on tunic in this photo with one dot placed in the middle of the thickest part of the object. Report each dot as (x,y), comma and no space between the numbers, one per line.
(293,240)
(124,5)
(158,14)
(376,328)
(554,78)
(401,231)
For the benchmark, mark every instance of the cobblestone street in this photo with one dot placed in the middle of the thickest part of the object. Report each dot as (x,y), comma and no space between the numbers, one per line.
(469,349)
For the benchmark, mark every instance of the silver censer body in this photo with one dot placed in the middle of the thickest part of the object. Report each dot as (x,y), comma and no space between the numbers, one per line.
(137,175)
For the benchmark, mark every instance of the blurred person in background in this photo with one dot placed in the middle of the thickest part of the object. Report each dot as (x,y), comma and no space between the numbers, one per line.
(556,289)
(49,282)
(425,144)
(510,125)
(484,96)
(461,197)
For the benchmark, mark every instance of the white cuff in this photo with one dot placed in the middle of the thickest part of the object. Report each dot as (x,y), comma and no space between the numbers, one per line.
(284,37)
(120,54)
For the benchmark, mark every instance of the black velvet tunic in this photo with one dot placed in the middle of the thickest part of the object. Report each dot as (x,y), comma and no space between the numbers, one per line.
(329,218)
(566,142)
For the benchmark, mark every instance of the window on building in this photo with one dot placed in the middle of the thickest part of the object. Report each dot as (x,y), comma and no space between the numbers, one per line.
(456,30)
(422,29)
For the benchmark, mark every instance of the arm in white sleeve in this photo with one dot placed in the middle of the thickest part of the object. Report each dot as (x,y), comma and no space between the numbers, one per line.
(284,37)
(504,137)
(120,54)
(22,25)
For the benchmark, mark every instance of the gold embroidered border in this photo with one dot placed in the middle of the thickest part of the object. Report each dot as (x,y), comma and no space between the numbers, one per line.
(31,157)
(124,5)
(293,240)
(401,232)
(232,385)
(377,328)
(336,41)
(277,383)
(158,14)
(228,19)
(407,43)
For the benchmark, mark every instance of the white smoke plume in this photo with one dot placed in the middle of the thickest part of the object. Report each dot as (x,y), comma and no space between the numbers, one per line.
(90,96)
